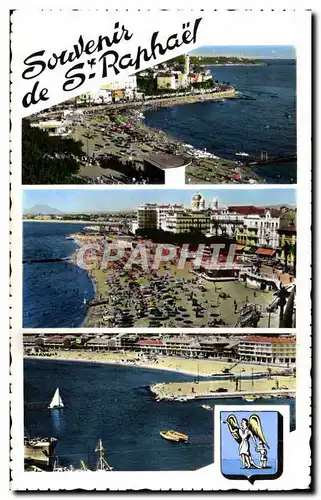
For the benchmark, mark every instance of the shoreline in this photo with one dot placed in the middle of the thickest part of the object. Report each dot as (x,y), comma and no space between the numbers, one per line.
(206,166)
(61,221)
(130,359)
(204,388)
(148,366)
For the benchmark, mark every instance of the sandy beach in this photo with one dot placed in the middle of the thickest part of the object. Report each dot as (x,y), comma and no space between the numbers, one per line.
(127,147)
(195,367)
(115,287)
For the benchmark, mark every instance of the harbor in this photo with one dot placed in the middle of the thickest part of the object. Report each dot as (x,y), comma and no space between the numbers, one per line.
(114,404)
(240,129)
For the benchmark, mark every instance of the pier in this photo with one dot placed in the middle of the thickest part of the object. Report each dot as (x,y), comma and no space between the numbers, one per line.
(266,160)
(45,261)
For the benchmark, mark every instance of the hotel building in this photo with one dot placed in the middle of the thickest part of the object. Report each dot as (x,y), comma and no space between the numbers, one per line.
(268,350)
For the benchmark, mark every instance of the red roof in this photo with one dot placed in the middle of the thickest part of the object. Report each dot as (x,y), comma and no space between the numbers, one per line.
(150,342)
(55,338)
(265,251)
(252,210)
(272,340)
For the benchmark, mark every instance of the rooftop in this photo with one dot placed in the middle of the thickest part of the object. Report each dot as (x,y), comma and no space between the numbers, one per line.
(271,340)
(165,160)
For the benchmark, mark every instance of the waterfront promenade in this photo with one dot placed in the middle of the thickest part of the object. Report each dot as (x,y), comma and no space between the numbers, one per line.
(116,143)
(276,385)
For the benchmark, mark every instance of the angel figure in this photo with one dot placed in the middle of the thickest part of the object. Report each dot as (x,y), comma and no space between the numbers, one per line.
(249,429)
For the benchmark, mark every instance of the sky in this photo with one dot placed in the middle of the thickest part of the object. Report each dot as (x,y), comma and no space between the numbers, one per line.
(87,200)
(251,51)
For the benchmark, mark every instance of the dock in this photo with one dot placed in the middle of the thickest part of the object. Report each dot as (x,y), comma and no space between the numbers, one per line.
(45,261)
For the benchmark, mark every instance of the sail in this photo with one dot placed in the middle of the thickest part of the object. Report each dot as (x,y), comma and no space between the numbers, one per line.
(56,401)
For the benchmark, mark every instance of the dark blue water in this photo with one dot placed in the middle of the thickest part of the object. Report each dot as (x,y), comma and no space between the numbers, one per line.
(53,293)
(111,403)
(266,123)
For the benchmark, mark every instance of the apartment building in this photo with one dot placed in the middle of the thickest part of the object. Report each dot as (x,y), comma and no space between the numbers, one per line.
(268,350)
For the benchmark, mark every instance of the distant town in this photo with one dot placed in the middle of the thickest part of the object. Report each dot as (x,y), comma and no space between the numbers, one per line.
(99,137)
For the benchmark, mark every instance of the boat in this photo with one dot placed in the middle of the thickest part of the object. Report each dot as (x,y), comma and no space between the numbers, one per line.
(39,450)
(241,153)
(249,398)
(102,463)
(207,407)
(56,402)
(174,436)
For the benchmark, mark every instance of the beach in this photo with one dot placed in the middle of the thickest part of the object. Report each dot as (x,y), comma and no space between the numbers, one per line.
(171,292)
(194,367)
(117,152)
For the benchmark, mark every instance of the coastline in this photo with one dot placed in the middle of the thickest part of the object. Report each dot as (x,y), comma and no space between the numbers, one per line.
(204,387)
(193,367)
(61,221)
(150,366)
(211,389)
(206,167)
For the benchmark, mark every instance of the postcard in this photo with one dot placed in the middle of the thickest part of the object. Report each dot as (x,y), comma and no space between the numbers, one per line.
(160,250)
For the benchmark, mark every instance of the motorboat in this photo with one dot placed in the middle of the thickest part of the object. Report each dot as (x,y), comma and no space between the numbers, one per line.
(207,407)
(174,436)
(241,153)
(250,398)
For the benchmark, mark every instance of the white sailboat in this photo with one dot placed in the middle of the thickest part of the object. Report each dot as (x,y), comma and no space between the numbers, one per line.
(56,401)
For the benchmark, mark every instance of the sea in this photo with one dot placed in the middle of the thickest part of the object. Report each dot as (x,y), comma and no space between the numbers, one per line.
(113,403)
(262,119)
(53,292)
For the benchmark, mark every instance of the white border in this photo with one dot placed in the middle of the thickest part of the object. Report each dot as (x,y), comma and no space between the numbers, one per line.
(165,480)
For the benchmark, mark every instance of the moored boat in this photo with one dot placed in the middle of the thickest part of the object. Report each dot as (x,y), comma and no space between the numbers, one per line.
(39,450)
(250,398)
(174,436)
(241,153)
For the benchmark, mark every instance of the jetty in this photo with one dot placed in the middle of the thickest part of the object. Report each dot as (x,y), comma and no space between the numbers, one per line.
(46,261)
(266,160)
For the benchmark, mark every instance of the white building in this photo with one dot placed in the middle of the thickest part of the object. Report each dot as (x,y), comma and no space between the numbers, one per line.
(225,222)
(173,218)
(268,350)
(268,234)
(163,211)
(187,221)
(127,84)
(54,127)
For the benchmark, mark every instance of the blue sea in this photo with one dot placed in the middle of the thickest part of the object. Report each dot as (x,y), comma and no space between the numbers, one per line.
(53,292)
(263,120)
(113,403)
